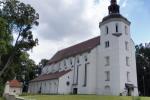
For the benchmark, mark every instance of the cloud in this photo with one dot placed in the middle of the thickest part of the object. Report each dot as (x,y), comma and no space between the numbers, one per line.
(64,23)
(124,3)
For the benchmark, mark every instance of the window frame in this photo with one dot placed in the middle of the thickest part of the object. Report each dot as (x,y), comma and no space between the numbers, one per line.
(107,44)
(128,76)
(107,74)
(107,61)
(117,28)
(107,30)
(127,61)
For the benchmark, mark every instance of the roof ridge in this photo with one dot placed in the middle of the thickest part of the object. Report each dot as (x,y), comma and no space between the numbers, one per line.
(75,49)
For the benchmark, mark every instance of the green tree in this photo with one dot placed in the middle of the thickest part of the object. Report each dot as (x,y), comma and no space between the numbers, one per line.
(143,69)
(5,39)
(25,69)
(20,19)
(42,63)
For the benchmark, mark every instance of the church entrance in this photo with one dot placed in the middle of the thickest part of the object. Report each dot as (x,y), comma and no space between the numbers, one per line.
(75,90)
(130,89)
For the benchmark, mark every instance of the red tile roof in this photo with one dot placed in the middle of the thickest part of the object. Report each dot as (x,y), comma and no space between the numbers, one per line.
(76,49)
(15,83)
(50,76)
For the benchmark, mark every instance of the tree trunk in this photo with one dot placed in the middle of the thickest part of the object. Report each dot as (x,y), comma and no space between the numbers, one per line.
(0,60)
(7,64)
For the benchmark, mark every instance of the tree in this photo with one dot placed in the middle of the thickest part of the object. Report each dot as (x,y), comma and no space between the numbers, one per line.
(25,69)
(42,63)
(143,69)
(20,19)
(5,39)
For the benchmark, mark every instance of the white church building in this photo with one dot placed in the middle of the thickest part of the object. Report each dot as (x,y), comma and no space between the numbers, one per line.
(103,65)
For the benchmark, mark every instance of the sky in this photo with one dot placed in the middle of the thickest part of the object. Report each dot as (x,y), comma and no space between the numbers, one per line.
(64,23)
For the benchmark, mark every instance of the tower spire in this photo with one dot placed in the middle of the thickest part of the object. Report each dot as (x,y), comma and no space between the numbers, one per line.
(113,8)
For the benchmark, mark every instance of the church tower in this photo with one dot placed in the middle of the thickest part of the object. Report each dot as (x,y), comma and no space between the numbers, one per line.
(117,62)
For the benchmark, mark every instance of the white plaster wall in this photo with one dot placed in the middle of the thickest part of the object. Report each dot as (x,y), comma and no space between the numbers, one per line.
(18,91)
(117,54)
(63,88)
(6,90)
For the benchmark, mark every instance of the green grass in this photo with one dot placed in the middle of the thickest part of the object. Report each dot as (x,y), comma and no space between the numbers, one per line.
(82,97)
(1,98)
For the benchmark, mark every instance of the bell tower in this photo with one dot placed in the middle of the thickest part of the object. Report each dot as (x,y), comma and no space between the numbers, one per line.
(117,62)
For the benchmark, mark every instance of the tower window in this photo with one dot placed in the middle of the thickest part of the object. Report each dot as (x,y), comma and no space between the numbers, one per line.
(127,61)
(126,30)
(107,30)
(128,76)
(106,44)
(126,45)
(107,74)
(116,27)
(107,61)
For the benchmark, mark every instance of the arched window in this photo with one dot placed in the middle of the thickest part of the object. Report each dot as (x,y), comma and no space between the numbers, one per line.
(117,27)
(107,30)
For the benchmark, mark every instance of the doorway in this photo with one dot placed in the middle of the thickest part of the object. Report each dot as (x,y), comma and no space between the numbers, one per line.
(75,90)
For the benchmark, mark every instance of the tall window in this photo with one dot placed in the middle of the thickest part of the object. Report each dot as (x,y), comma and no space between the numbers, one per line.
(85,75)
(128,76)
(70,61)
(107,61)
(116,27)
(78,60)
(126,31)
(106,44)
(126,45)
(107,74)
(64,62)
(107,30)
(127,61)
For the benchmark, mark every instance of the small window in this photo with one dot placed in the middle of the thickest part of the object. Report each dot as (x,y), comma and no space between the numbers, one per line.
(107,73)
(106,44)
(127,61)
(78,61)
(128,76)
(126,30)
(70,61)
(85,57)
(107,30)
(116,27)
(107,61)
(126,45)
(64,62)
(67,83)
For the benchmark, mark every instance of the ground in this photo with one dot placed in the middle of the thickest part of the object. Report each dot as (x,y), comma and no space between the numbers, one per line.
(82,97)
(1,98)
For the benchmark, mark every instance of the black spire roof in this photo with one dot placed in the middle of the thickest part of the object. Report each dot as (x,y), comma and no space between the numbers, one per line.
(113,8)
(114,12)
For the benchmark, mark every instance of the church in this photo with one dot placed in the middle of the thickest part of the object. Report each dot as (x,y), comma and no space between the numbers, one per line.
(104,65)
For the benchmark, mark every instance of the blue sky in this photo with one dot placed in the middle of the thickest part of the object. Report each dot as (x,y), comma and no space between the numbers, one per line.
(138,12)
(64,23)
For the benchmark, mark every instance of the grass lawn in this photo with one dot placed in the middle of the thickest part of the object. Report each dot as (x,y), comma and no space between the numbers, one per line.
(1,98)
(81,97)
